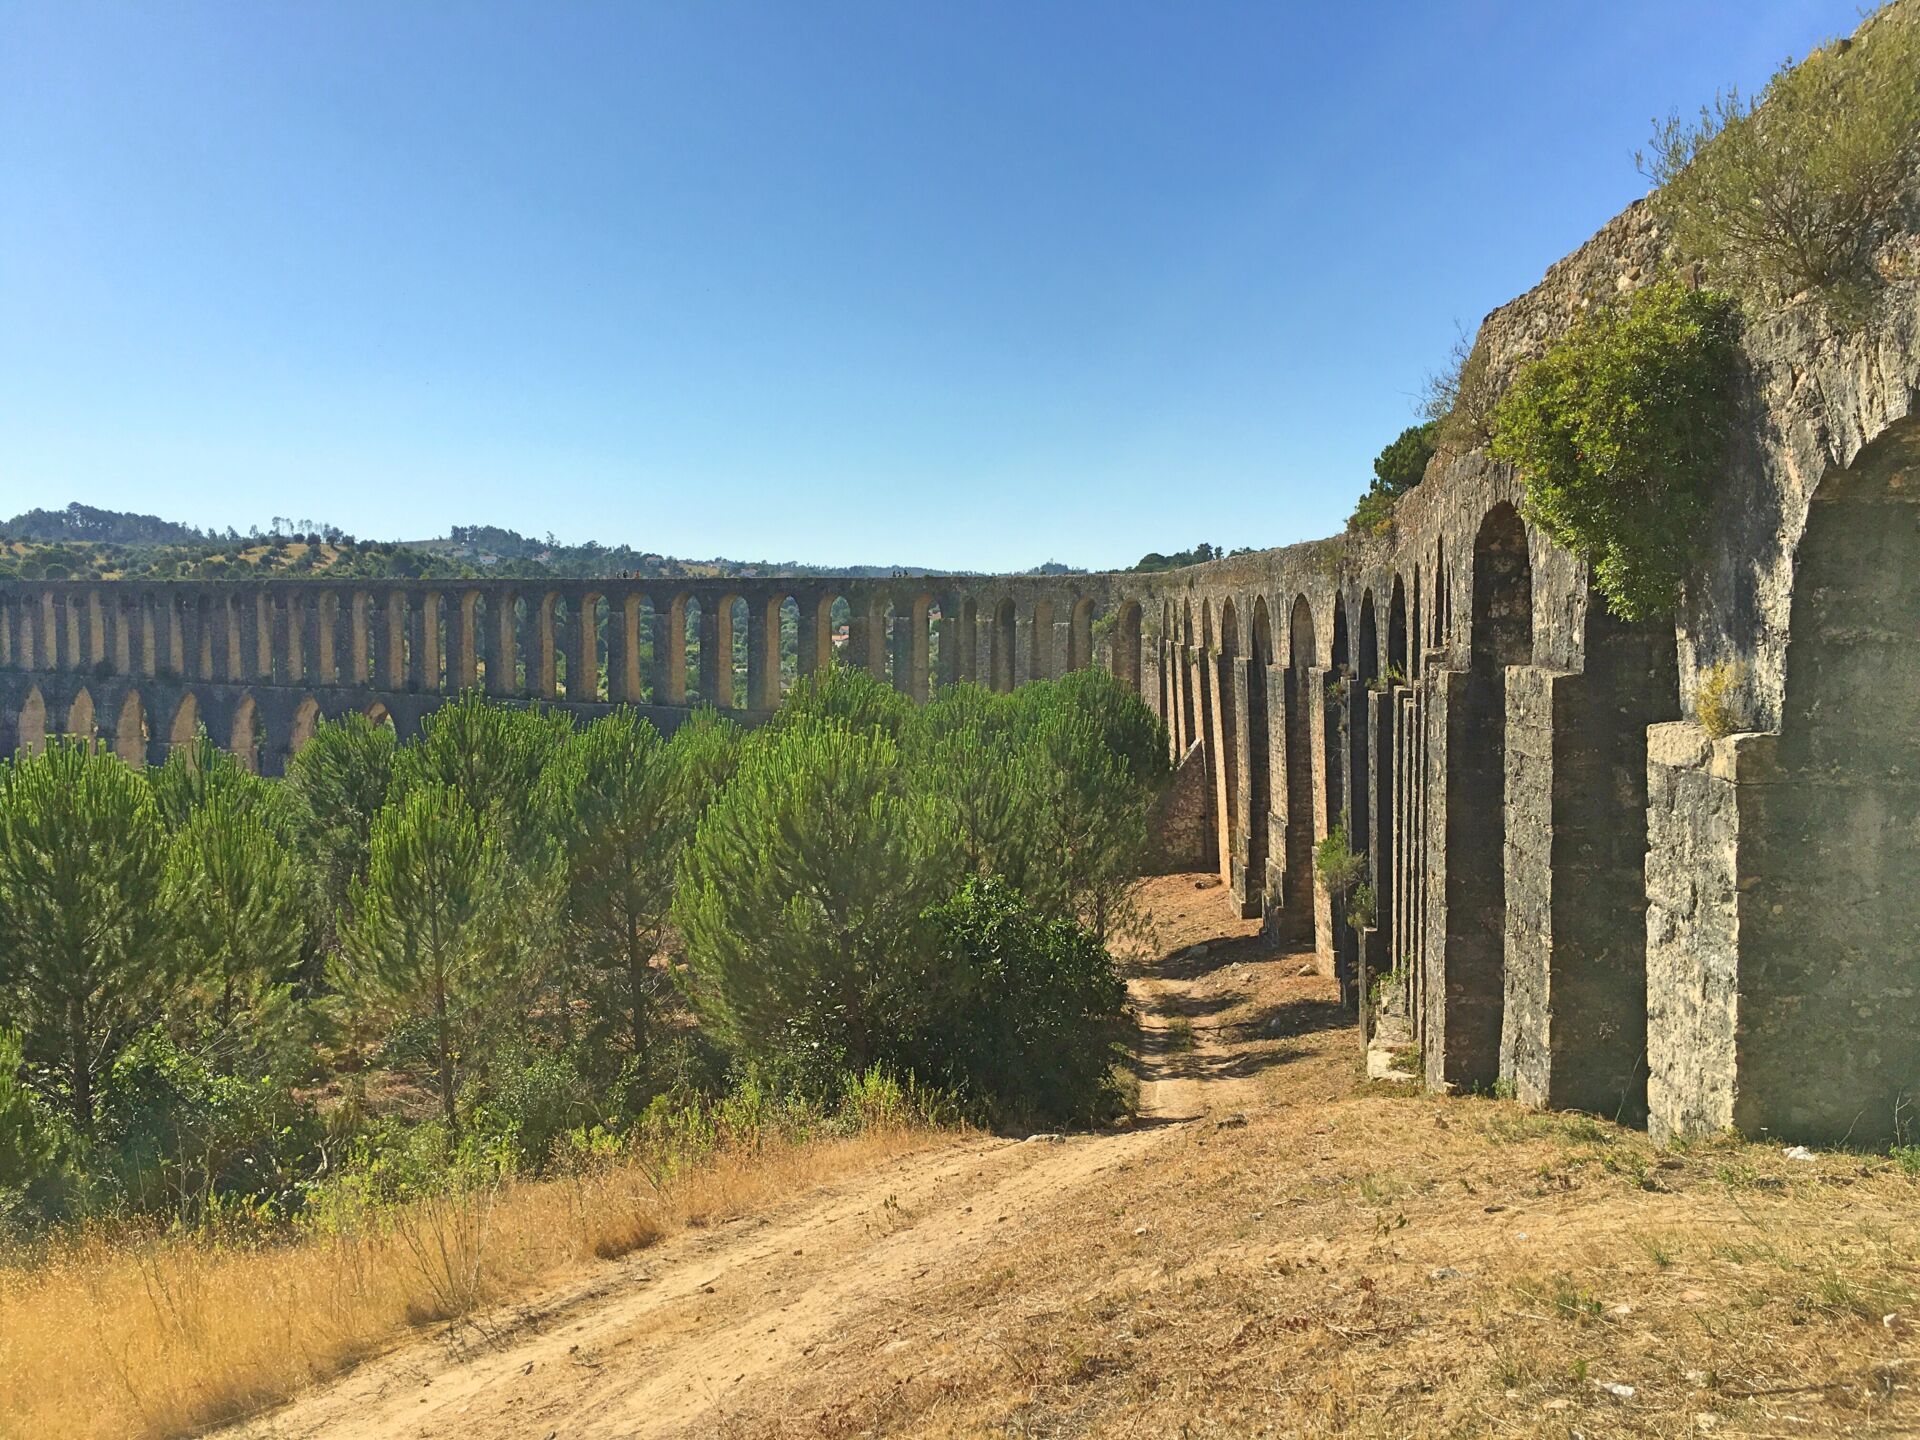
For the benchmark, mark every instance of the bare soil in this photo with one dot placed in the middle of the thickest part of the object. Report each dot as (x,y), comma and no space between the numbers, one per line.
(1274,1247)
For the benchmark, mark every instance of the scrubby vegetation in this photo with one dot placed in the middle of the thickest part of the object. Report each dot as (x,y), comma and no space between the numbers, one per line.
(1396,470)
(1787,193)
(509,945)
(1619,431)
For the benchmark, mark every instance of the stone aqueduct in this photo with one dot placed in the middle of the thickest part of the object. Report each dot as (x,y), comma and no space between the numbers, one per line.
(1579,890)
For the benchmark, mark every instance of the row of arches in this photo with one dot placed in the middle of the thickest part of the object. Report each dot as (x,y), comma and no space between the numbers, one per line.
(1334,724)
(740,649)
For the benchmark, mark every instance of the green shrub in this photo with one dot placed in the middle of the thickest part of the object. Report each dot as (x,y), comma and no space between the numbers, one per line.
(1362,912)
(1022,1014)
(178,1136)
(1784,195)
(1338,867)
(1717,702)
(1619,431)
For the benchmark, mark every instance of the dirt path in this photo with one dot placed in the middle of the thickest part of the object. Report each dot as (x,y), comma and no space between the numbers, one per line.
(680,1339)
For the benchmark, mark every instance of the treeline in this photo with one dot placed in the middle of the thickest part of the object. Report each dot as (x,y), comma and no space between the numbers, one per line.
(510,943)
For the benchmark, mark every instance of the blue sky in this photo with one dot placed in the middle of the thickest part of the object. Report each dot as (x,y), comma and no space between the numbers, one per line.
(974,286)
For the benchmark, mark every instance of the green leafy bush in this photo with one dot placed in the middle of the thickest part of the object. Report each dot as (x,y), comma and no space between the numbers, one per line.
(1619,431)
(1023,1014)
(1784,195)
(1338,867)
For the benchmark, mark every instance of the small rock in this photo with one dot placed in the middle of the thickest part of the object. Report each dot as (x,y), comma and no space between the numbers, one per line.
(1693,1297)
(1235,1121)
(1049,1138)
(1445,1272)
(1798,1152)
(1616,1389)
(1558,1405)
(1621,1310)
(1140,1230)
(1308,969)
(1259,1215)
(1194,952)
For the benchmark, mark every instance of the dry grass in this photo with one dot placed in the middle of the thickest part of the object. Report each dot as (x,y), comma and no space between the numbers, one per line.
(1403,1266)
(1364,1260)
(162,1336)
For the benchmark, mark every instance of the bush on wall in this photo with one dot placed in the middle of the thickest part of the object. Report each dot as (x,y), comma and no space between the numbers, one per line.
(1784,194)
(1618,431)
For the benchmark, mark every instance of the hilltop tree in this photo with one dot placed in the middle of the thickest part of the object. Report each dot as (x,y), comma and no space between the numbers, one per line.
(88,946)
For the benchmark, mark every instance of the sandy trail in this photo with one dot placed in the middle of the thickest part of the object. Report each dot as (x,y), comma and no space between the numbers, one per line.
(673,1340)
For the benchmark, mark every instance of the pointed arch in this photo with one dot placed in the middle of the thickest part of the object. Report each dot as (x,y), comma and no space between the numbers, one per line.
(30,731)
(306,719)
(185,728)
(130,731)
(243,740)
(80,719)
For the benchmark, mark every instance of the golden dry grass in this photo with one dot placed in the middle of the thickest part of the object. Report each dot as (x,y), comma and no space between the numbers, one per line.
(1344,1258)
(117,1336)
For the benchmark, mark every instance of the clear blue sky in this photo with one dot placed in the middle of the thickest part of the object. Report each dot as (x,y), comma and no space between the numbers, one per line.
(973,285)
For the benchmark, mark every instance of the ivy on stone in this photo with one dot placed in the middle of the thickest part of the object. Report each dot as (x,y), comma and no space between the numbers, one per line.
(1618,432)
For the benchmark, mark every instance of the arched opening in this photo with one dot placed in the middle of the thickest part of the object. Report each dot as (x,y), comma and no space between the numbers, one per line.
(1004,629)
(733,626)
(1397,634)
(31,730)
(1080,635)
(1259,757)
(305,719)
(1500,635)
(548,661)
(1042,661)
(1829,1005)
(80,724)
(787,634)
(1303,703)
(879,647)
(243,740)
(936,640)
(1226,682)
(1184,670)
(587,677)
(1126,647)
(186,725)
(130,731)
(966,664)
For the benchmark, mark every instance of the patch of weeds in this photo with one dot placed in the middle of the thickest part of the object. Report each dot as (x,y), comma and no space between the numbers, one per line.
(1179,1034)
(1907,1158)
(1560,1297)
(1836,1296)
(1659,1249)
(1719,700)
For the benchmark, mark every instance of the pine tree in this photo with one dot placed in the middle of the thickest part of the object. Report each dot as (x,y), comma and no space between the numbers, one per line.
(431,934)
(88,945)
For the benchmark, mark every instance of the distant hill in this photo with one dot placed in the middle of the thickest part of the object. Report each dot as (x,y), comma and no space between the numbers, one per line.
(85,542)
(85,524)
